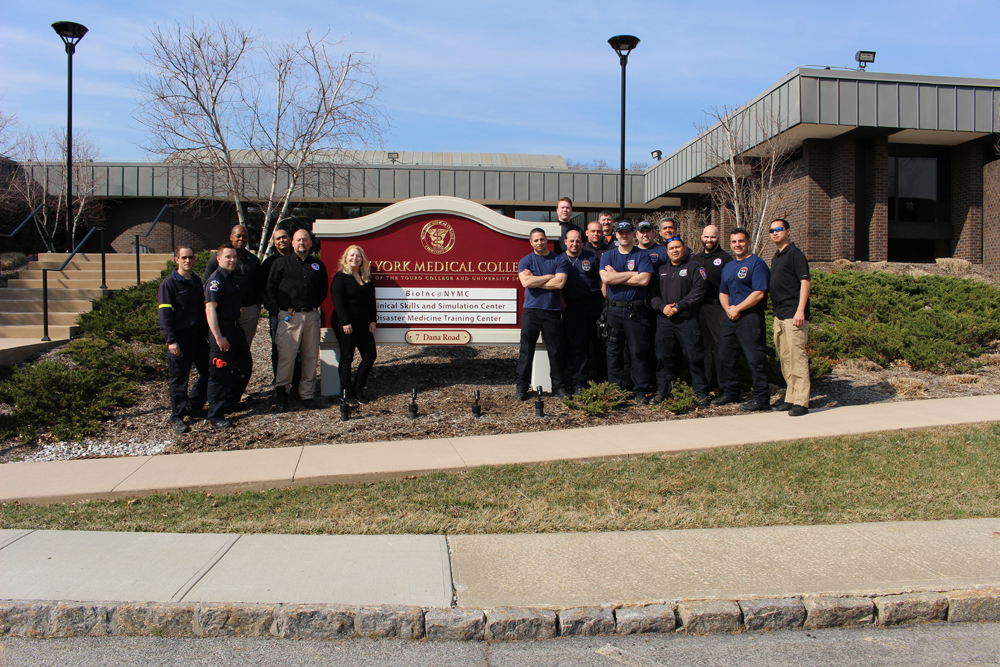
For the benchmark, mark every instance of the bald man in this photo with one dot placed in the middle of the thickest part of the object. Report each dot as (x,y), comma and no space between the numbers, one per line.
(246,278)
(712,258)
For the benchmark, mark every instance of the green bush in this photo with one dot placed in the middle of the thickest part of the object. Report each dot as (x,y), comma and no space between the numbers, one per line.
(123,360)
(597,399)
(682,399)
(127,314)
(198,268)
(70,402)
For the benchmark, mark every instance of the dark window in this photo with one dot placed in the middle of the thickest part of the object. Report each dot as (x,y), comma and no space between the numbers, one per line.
(918,203)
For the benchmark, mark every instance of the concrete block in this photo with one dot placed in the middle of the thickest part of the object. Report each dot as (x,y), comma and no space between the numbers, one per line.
(81,619)
(313,621)
(980,606)
(773,614)
(831,612)
(586,622)
(233,620)
(454,624)
(520,623)
(24,619)
(400,621)
(640,620)
(703,617)
(911,608)
(162,619)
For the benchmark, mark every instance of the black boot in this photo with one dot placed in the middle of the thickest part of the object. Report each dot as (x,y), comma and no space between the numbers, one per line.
(359,396)
(281,404)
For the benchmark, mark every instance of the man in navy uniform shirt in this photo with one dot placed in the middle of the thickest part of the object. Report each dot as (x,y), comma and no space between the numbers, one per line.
(230,363)
(542,275)
(582,305)
(626,271)
(183,325)
(743,295)
(712,258)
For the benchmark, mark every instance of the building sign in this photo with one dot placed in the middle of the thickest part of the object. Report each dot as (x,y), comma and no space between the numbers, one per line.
(400,305)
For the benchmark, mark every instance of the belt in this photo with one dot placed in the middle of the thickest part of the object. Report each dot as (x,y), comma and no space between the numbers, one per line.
(300,310)
(626,304)
(229,323)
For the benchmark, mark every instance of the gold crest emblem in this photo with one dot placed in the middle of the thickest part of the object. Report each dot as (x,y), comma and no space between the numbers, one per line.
(437,237)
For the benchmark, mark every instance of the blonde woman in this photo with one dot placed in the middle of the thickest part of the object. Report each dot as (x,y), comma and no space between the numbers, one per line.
(353,296)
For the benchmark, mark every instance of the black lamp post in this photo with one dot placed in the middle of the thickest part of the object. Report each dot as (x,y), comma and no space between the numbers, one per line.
(71,33)
(623,45)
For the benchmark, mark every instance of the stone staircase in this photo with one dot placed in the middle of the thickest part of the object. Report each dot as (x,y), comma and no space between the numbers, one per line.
(70,293)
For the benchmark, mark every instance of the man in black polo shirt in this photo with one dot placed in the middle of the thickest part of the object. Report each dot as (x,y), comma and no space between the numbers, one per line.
(183,325)
(790,284)
(712,258)
(230,363)
(297,287)
(582,305)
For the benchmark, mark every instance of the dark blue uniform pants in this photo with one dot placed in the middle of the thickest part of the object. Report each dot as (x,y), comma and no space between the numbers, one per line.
(549,323)
(632,326)
(194,352)
(711,317)
(670,332)
(580,323)
(228,372)
(747,334)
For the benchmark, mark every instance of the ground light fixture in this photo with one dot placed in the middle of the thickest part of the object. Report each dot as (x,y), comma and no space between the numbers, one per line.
(863,58)
(477,410)
(539,404)
(413,404)
(345,409)
(71,33)
(623,45)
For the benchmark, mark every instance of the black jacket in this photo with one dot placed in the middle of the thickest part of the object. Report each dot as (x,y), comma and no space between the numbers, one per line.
(182,307)
(683,285)
(296,283)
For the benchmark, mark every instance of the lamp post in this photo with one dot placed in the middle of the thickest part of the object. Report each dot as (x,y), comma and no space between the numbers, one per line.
(71,33)
(623,45)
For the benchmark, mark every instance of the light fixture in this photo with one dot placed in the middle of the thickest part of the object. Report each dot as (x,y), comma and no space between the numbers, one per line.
(71,33)
(863,58)
(393,157)
(657,155)
(623,45)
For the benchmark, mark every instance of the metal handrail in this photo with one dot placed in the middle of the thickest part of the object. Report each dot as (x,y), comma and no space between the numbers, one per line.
(138,279)
(26,221)
(45,278)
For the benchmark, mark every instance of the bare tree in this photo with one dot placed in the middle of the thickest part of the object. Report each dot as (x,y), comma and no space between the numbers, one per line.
(8,141)
(593,164)
(752,151)
(637,166)
(256,115)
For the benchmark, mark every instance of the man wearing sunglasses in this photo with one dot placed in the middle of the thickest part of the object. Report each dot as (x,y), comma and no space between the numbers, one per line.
(790,300)
(183,325)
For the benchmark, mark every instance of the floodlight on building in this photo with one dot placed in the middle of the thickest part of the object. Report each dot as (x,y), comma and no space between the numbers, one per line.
(393,157)
(623,45)
(863,58)
(657,155)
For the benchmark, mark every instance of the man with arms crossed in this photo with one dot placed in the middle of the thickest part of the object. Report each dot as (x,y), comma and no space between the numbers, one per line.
(790,300)
(542,274)
(743,294)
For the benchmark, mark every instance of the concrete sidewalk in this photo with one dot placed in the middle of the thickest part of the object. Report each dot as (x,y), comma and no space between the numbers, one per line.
(489,571)
(323,464)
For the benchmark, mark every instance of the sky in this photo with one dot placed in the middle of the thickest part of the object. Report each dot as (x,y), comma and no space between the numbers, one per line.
(517,76)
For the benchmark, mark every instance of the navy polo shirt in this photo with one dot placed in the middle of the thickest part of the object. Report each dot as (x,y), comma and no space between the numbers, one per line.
(223,290)
(583,276)
(636,259)
(657,255)
(740,278)
(538,297)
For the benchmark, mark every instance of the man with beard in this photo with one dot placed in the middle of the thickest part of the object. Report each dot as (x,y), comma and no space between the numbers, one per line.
(712,259)
(282,245)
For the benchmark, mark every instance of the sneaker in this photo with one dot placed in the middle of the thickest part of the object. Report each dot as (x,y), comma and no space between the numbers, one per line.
(781,406)
(755,406)
(656,400)
(560,393)
(724,399)
(179,427)
(798,411)
(221,424)
(520,394)
(578,389)
(704,401)
(640,398)
(310,404)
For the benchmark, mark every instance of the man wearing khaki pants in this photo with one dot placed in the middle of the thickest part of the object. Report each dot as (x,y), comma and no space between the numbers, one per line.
(297,287)
(790,300)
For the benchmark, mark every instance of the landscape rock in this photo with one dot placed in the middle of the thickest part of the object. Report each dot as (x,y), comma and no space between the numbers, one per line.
(81,619)
(390,621)
(24,619)
(162,619)
(313,621)
(520,623)
(586,622)
(233,620)
(981,606)
(703,617)
(640,620)
(833,612)
(779,614)
(454,624)
(911,608)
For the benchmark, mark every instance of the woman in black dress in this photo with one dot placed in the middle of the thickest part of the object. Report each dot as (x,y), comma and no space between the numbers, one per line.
(354,320)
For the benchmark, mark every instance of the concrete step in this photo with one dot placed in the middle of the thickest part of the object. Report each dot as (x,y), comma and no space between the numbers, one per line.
(145,273)
(58,258)
(62,319)
(77,265)
(70,283)
(16,350)
(13,293)
(35,306)
(35,332)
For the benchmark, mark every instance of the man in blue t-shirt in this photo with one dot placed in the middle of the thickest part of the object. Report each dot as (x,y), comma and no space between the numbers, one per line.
(626,271)
(743,295)
(542,275)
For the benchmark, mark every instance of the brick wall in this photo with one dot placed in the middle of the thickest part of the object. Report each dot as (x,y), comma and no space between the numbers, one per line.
(201,227)
(967,201)
(877,196)
(842,195)
(991,215)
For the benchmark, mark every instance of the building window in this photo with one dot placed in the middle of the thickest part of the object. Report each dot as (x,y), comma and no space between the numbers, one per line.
(918,204)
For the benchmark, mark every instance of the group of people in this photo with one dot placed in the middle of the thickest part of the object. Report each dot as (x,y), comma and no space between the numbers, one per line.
(210,322)
(615,304)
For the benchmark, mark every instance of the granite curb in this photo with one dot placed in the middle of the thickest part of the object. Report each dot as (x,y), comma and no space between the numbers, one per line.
(58,619)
